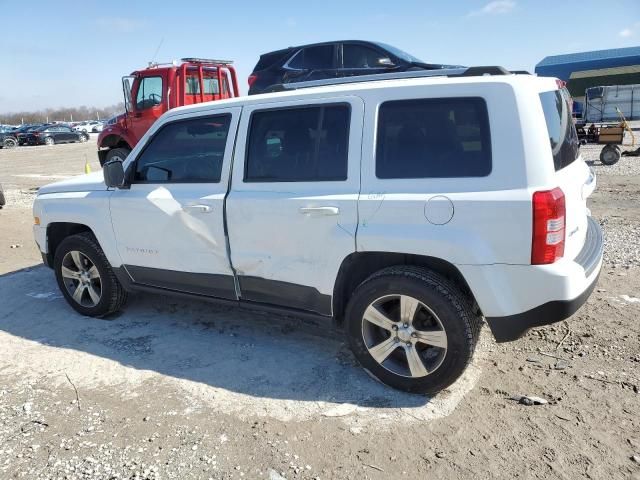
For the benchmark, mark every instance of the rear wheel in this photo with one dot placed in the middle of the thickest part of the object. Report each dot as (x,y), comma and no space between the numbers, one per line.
(10,143)
(119,154)
(83,137)
(86,278)
(610,154)
(49,141)
(412,329)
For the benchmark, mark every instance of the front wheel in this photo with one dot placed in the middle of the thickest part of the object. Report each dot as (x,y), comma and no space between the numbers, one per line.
(86,278)
(10,143)
(83,137)
(412,329)
(119,154)
(49,141)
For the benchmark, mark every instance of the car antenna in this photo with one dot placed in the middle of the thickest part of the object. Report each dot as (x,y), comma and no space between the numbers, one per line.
(153,59)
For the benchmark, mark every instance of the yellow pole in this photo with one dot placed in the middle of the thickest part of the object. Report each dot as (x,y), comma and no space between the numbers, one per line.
(87,167)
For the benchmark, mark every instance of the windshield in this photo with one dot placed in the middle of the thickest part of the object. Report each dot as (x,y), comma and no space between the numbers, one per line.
(399,53)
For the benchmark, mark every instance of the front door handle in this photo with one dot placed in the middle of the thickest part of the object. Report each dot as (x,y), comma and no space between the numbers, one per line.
(197,208)
(319,211)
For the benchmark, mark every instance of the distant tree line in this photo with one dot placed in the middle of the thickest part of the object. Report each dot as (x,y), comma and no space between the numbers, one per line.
(69,114)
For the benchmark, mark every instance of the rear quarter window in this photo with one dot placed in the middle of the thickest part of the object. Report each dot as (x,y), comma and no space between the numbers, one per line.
(562,132)
(433,138)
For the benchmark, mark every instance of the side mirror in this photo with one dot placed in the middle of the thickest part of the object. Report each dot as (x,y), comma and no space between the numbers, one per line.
(113,172)
(386,62)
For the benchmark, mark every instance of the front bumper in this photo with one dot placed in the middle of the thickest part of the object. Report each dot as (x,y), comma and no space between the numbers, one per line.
(515,298)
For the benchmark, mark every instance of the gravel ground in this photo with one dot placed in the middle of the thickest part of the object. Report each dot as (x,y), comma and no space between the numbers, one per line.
(162,391)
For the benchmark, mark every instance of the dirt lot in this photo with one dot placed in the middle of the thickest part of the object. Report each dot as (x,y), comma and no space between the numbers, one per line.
(174,389)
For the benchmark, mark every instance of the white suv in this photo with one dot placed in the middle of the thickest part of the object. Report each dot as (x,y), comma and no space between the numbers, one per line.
(407,210)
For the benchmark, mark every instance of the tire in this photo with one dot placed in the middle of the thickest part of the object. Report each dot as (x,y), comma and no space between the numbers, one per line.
(49,141)
(83,137)
(442,309)
(9,143)
(610,155)
(117,154)
(83,248)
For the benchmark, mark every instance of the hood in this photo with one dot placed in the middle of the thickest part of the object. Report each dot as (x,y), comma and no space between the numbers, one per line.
(82,183)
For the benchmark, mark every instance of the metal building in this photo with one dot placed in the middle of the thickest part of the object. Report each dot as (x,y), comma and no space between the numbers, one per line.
(617,66)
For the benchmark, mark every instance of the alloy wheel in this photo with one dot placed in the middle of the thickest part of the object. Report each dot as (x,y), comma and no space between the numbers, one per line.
(404,336)
(81,279)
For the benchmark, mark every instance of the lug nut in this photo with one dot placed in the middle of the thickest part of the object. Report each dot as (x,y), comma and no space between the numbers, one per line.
(414,335)
(395,328)
(408,344)
(405,325)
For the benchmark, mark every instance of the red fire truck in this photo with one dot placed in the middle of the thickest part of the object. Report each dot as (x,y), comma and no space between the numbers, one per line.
(150,92)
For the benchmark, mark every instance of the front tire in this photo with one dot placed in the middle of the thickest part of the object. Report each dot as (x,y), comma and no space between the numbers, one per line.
(49,141)
(9,143)
(119,154)
(86,278)
(411,329)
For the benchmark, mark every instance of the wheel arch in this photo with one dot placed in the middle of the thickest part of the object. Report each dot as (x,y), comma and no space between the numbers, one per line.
(58,231)
(358,266)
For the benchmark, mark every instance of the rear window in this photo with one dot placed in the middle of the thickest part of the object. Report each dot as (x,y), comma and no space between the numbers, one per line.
(433,138)
(562,132)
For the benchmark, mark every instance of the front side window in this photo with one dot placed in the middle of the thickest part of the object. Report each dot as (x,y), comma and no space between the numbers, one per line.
(186,151)
(313,58)
(359,56)
(149,93)
(433,138)
(562,132)
(298,144)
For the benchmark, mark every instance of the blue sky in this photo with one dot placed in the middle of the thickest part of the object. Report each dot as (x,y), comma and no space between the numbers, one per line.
(75,53)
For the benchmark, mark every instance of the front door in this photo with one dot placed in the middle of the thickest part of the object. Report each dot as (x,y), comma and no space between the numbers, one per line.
(148,105)
(292,207)
(169,226)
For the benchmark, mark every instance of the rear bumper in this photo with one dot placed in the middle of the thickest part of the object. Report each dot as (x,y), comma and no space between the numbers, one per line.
(507,329)
(515,298)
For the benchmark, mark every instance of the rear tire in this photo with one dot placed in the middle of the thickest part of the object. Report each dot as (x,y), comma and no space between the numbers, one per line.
(49,141)
(610,154)
(119,154)
(423,350)
(83,137)
(86,278)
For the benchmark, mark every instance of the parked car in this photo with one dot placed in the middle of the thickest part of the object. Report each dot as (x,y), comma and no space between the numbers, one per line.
(331,60)
(52,134)
(21,132)
(402,211)
(98,127)
(86,127)
(8,138)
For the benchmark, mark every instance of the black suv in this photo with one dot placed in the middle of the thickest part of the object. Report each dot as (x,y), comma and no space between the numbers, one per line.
(326,60)
(8,138)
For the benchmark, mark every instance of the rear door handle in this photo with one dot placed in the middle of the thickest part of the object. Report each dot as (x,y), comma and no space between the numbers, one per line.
(197,208)
(319,211)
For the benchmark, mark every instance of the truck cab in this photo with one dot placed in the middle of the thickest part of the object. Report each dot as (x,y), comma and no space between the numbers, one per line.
(150,92)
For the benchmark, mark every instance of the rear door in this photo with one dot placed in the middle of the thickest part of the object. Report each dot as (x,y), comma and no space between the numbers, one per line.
(292,207)
(312,63)
(572,175)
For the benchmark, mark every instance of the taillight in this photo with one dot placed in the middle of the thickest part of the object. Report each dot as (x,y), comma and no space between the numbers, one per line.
(548,226)
(252,78)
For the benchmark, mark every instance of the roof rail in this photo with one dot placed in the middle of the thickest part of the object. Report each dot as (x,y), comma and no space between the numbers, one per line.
(206,60)
(443,72)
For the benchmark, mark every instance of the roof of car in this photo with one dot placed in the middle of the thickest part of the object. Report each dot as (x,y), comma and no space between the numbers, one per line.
(320,90)
(319,44)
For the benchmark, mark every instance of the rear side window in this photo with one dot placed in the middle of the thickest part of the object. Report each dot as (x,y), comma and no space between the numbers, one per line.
(313,58)
(268,59)
(433,138)
(562,132)
(305,144)
(186,151)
